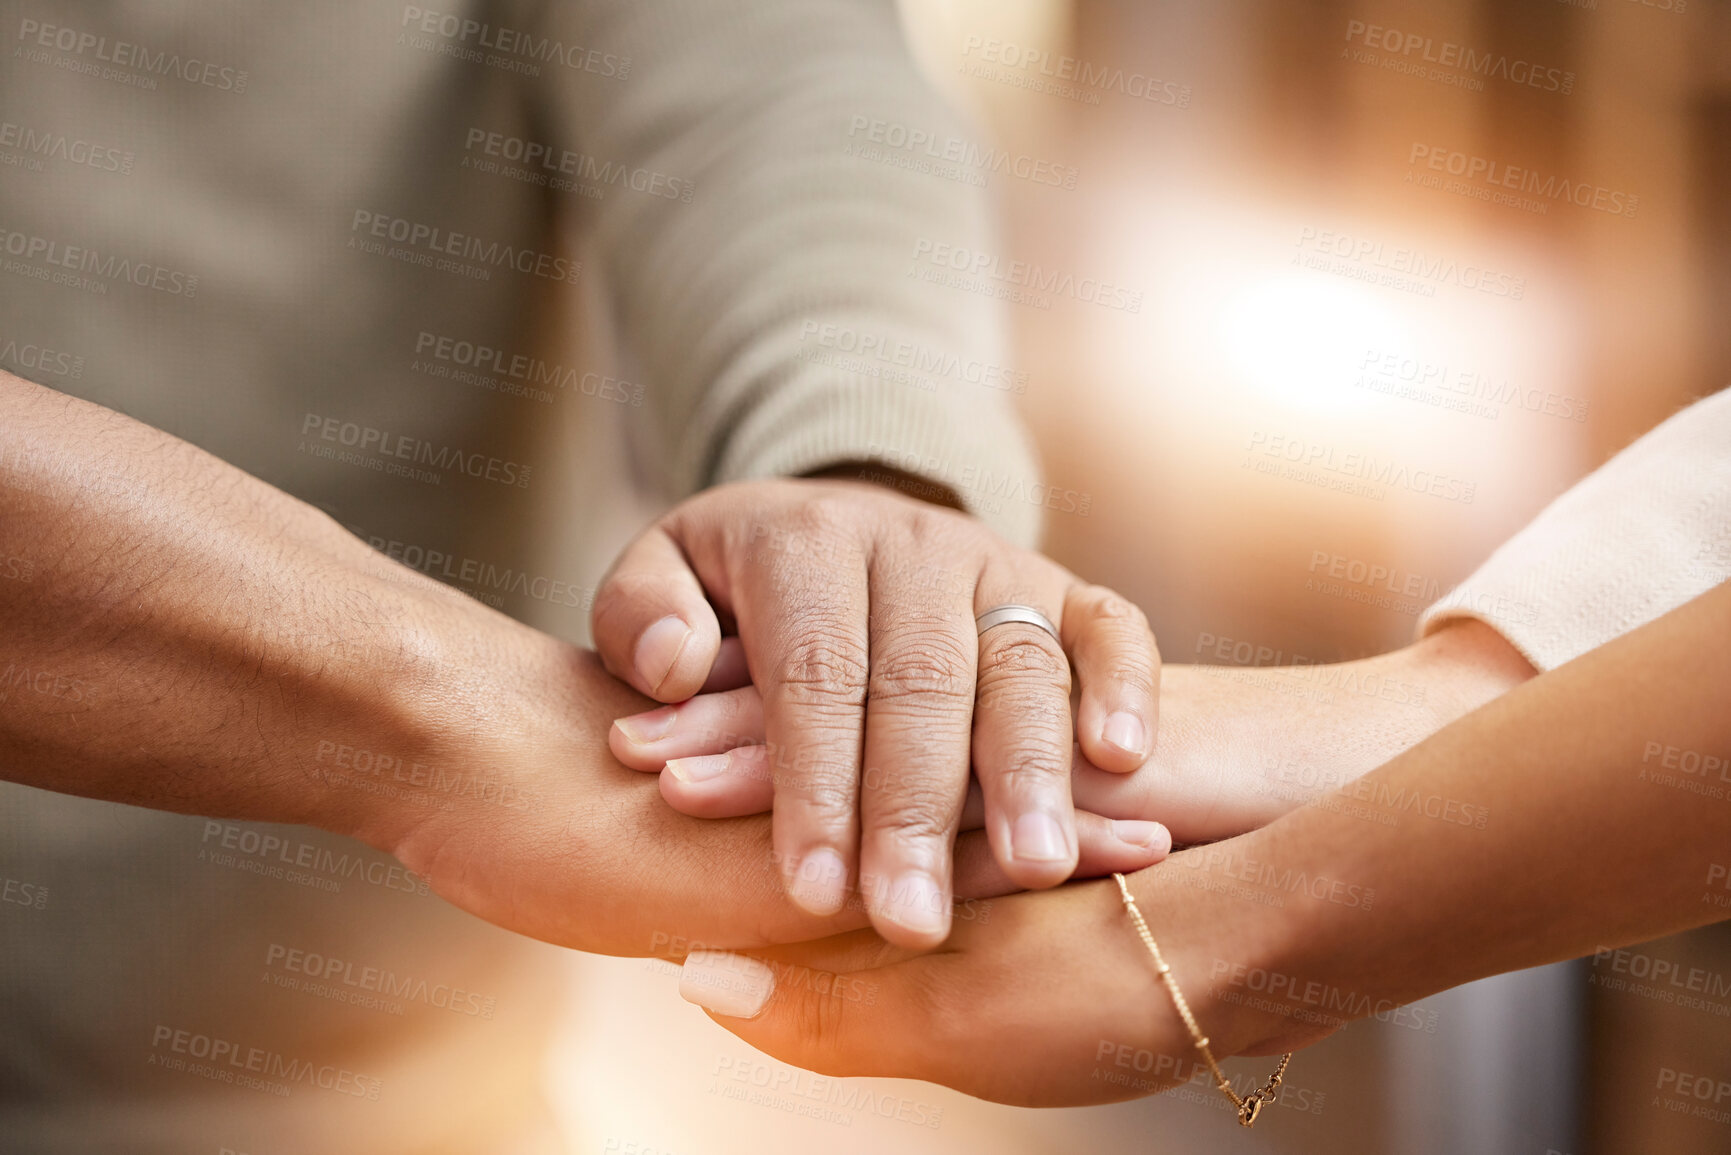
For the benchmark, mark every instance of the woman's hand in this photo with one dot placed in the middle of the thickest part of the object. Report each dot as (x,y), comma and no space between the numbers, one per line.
(1043,1000)
(1238,747)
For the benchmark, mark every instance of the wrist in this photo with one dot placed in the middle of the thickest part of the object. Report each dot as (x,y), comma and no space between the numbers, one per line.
(394,731)
(1464,664)
(1230,957)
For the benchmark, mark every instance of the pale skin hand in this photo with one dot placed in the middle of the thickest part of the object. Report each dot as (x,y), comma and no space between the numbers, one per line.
(197,641)
(855,608)
(1583,850)
(1237,747)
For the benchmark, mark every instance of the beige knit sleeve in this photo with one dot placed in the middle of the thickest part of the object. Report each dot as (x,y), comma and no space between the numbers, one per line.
(760,247)
(1643,534)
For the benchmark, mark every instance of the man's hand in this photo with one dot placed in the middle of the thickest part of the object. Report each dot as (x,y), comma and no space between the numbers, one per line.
(201,642)
(564,844)
(856,611)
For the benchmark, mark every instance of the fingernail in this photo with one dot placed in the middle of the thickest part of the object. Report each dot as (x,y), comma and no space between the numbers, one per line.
(916,903)
(728,984)
(701,768)
(820,883)
(660,647)
(1125,731)
(1038,838)
(650,726)
(1147,835)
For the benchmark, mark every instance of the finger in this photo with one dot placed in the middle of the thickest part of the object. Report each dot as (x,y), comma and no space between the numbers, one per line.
(1116,795)
(1104,845)
(853,1023)
(1118,668)
(706,724)
(921,706)
(805,633)
(729,671)
(1022,734)
(729,785)
(652,624)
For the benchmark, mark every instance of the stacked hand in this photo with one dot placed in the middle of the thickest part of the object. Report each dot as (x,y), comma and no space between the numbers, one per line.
(855,611)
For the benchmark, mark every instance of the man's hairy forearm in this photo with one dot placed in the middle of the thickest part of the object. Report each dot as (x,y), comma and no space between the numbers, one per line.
(183,634)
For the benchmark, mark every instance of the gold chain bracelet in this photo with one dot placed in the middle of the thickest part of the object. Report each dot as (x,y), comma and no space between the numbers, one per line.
(1249,1105)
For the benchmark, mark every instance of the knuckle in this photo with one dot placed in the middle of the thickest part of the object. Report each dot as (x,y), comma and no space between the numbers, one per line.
(1021,658)
(937,666)
(819,1021)
(1030,760)
(1137,677)
(825,668)
(825,796)
(916,812)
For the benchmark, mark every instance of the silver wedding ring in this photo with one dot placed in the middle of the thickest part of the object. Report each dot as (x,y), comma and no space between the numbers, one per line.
(1002,615)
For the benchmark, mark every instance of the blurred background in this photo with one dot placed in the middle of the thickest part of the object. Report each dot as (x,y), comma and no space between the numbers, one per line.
(1488,241)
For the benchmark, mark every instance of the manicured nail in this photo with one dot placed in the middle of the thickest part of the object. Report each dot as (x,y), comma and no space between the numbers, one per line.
(701,768)
(1146,835)
(819,885)
(650,726)
(915,902)
(1038,838)
(659,648)
(1125,731)
(728,984)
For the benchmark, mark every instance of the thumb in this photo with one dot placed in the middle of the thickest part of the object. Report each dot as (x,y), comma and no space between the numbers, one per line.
(859,1022)
(652,624)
